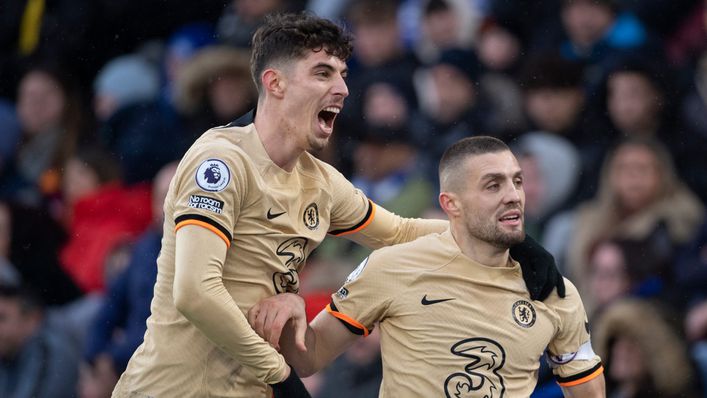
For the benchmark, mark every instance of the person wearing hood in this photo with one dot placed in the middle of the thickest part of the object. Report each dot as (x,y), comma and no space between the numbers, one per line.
(551,169)
(643,354)
(132,125)
(214,88)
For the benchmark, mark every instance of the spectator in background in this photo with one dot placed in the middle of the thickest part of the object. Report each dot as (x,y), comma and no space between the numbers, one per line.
(101,214)
(639,197)
(52,121)
(598,31)
(450,104)
(500,48)
(622,267)
(379,55)
(637,99)
(35,361)
(119,325)
(35,238)
(179,49)
(213,89)
(500,45)
(551,170)
(133,127)
(241,18)
(385,169)
(556,102)
(379,45)
(640,101)
(443,25)
(644,356)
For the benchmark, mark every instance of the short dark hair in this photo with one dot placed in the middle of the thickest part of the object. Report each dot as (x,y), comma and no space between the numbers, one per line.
(460,150)
(550,71)
(288,36)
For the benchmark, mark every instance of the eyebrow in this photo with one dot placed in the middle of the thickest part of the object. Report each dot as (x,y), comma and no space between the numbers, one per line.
(499,176)
(329,67)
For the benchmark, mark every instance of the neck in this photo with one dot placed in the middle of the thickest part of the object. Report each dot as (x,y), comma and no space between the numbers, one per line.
(478,250)
(277,137)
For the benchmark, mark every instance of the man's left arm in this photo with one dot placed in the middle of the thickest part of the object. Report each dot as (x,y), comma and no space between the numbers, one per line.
(594,388)
(577,368)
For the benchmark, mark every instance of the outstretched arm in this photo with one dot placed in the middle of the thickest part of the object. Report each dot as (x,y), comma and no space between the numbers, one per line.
(385,228)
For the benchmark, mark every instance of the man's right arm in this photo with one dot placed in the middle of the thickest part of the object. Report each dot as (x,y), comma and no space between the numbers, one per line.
(199,294)
(325,338)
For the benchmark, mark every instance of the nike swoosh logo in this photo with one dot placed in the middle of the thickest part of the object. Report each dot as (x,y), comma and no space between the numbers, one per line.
(425,301)
(270,215)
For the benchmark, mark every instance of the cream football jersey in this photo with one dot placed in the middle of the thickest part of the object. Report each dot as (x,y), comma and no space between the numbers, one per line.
(270,219)
(451,327)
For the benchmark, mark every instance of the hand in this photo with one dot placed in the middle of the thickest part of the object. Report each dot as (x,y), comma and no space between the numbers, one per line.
(291,387)
(539,269)
(270,315)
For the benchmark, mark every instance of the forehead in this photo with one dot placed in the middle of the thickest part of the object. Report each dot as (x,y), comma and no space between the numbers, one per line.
(479,166)
(313,58)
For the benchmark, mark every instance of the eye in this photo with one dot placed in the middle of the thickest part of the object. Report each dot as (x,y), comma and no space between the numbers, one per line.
(322,73)
(518,182)
(493,187)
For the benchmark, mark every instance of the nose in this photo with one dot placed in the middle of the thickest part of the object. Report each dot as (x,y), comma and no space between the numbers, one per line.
(340,88)
(513,194)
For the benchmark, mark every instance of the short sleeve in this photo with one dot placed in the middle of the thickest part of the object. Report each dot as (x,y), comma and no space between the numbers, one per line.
(208,186)
(352,210)
(364,299)
(570,353)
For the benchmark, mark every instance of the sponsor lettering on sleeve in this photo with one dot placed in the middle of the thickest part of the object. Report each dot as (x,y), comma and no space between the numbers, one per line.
(206,203)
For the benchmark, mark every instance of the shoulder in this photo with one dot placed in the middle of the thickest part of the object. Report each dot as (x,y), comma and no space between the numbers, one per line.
(571,302)
(227,146)
(422,254)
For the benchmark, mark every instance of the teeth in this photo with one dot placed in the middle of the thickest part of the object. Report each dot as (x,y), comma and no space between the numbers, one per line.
(332,109)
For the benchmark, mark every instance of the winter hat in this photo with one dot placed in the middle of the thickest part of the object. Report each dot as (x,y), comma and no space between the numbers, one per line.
(465,61)
(128,79)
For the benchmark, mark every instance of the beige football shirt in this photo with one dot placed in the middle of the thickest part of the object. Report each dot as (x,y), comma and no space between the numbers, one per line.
(452,327)
(271,221)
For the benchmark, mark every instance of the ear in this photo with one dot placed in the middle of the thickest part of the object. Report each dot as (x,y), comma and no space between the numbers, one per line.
(449,203)
(273,82)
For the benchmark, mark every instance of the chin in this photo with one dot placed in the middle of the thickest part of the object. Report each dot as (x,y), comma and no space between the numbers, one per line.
(318,144)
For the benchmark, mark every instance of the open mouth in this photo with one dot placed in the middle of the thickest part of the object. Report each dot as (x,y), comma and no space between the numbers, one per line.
(326,117)
(511,218)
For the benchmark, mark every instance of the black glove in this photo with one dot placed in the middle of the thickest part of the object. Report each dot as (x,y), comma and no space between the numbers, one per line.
(291,387)
(539,269)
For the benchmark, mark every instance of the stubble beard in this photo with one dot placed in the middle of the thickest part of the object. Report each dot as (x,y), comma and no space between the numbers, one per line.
(493,234)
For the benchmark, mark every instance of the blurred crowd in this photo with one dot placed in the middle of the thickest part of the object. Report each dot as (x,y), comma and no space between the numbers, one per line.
(603,101)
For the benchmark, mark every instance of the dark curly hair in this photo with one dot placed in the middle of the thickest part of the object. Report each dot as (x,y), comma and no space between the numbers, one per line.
(288,36)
